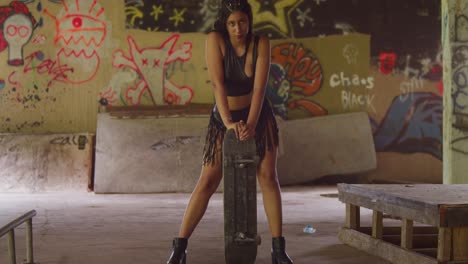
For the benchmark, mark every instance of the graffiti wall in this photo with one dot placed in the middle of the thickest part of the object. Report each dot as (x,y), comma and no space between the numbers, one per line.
(62,60)
(396,76)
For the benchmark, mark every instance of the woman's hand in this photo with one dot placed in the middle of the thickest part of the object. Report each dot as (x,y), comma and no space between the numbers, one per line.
(236,126)
(246,132)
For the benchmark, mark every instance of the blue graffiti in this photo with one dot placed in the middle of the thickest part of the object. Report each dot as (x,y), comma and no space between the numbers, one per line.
(412,126)
(278,90)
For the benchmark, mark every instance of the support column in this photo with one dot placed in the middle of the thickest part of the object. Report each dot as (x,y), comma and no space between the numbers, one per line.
(455,102)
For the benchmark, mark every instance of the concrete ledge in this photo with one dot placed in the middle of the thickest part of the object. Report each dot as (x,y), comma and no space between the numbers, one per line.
(327,145)
(145,155)
(164,154)
(48,162)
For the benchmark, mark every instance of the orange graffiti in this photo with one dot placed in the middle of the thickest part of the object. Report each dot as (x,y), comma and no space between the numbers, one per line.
(313,108)
(303,70)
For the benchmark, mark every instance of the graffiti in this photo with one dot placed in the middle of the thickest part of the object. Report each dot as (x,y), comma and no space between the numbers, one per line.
(274,16)
(412,126)
(343,80)
(81,31)
(302,67)
(39,39)
(387,62)
(178,16)
(157,10)
(37,64)
(409,87)
(69,140)
(351,53)
(461,28)
(151,64)
(171,16)
(303,71)
(303,17)
(345,28)
(313,108)
(16,27)
(133,13)
(107,97)
(351,100)
(277,91)
(174,142)
(123,79)
(412,66)
(209,11)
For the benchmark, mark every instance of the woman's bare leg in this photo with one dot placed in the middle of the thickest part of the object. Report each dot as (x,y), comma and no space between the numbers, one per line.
(207,184)
(268,180)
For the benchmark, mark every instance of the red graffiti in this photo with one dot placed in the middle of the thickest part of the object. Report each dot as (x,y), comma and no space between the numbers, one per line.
(47,67)
(81,33)
(303,70)
(387,62)
(154,81)
(313,108)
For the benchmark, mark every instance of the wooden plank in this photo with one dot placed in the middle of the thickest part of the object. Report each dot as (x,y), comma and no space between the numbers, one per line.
(396,230)
(429,216)
(453,215)
(407,234)
(434,204)
(420,194)
(353,216)
(377,224)
(382,249)
(460,243)
(444,244)
(159,111)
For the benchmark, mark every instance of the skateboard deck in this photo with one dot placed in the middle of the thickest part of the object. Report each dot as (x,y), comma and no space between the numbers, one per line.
(240,162)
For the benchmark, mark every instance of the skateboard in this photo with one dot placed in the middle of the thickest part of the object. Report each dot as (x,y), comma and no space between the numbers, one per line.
(240,162)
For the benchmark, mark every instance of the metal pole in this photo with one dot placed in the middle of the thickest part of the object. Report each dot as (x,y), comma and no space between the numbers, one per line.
(11,246)
(29,242)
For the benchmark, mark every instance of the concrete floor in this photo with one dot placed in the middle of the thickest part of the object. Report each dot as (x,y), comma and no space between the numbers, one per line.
(122,229)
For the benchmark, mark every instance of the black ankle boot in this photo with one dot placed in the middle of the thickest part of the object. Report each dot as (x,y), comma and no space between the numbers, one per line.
(278,254)
(179,252)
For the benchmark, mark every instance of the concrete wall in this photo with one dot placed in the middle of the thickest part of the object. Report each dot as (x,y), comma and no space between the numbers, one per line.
(329,57)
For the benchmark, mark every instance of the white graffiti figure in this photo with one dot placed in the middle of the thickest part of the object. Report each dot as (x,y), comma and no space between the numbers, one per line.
(350,52)
(17,30)
(81,30)
(150,64)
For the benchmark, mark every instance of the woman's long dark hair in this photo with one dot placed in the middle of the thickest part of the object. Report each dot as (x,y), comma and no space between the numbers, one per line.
(227,7)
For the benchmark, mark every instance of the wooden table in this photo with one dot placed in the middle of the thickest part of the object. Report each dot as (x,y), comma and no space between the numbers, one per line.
(442,211)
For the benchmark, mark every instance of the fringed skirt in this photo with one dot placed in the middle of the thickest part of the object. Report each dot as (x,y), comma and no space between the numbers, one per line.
(266,132)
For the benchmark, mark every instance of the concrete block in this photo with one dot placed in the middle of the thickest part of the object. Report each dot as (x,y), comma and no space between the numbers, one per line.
(327,145)
(45,162)
(146,155)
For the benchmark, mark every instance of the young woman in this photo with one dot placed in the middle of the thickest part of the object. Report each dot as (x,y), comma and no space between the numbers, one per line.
(238,63)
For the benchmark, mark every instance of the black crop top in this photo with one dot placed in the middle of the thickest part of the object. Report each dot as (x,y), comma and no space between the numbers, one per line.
(237,83)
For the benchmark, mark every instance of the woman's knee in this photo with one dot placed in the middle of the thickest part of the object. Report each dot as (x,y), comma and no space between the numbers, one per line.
(267,177)
(209,181)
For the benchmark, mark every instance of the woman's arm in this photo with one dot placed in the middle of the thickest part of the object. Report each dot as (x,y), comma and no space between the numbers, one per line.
(214,62)
(261,77)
